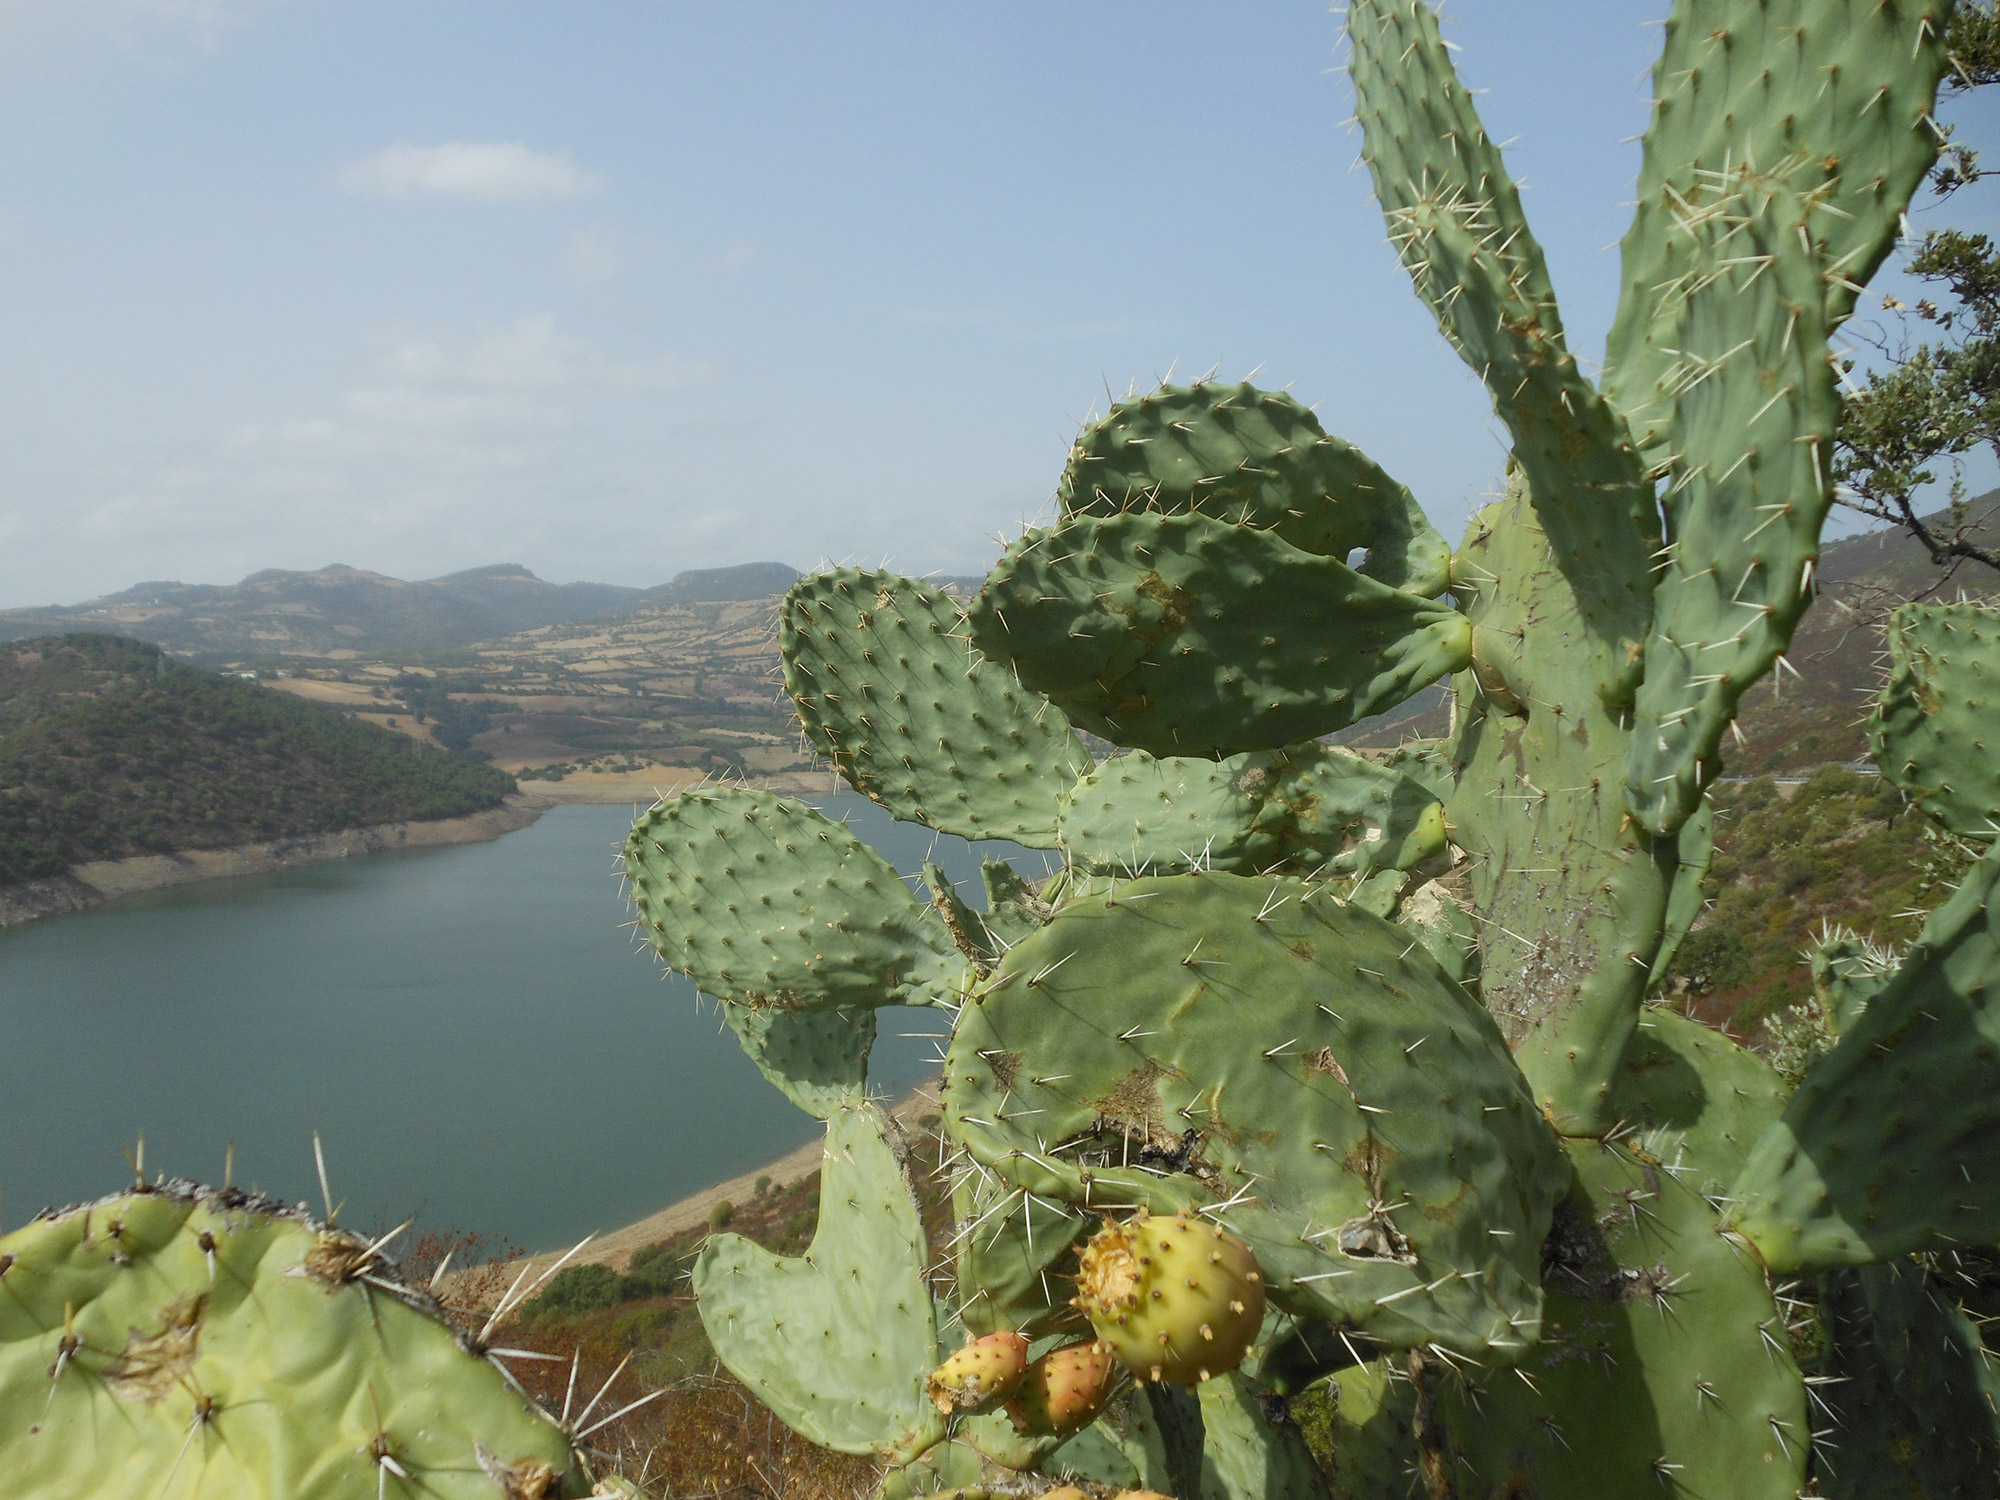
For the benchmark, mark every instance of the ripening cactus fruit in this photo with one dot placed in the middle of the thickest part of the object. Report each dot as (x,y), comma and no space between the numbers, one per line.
(1177,1299)
(980,1375)
(1064,1390)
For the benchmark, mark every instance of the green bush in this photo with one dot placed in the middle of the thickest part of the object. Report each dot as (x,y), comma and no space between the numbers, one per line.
(576,1289)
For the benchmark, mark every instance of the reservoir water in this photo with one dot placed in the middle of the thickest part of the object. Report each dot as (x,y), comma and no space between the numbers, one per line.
(470,1029)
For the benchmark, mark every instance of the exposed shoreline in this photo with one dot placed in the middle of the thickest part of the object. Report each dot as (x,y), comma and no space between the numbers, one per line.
(614,1248)
(87,885)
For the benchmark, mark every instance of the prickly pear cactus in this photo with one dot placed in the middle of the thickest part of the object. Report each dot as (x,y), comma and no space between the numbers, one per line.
(1367,1041)
(179,1340)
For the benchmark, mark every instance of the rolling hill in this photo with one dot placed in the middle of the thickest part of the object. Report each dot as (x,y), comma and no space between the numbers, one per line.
(339,613)
(109,748)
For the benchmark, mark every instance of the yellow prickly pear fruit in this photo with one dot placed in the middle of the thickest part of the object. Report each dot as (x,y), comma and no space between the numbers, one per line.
(1066,1492)
(1176,1299)
(980,1375)
(1063,1391)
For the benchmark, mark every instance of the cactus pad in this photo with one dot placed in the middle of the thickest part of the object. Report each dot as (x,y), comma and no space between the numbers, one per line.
(1847,971)
(817,1058)
(1570,901)
(1120,1057)
(1892,1142)
(837,1341)
(1834,95)
(1663,1366)
(1910,1390)
(183,1340)
(1455,218)
(1305,810)
(763,902)
(890,690)
(1693,1100)
(1013,907)
(1752,432)
(1936,730)
(1240,454)
(1186,635)
(1014,1257)
(1245,1455)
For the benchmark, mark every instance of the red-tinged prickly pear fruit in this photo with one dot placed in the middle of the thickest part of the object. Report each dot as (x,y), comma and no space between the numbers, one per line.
(1176,1299)
(1064,1390)
(980,1375)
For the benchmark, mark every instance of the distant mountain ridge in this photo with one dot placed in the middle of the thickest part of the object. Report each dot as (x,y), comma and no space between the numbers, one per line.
(339,613)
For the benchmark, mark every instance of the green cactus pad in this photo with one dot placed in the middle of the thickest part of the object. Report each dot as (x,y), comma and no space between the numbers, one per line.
(763,902)
(817,1058)
(952,1471)
(1014,1257)
(1447,929)
(1689,1098)
(1752,433)
(1140,1048)
(1892,1142)
(1847,972)
(1687,897)
(1936,730)
(182,1340)
(1095,1456)
(1456,221)
(1304,810)
(1186,635)
(1832,96)
(1374,1446)
(969,932)
(1911,1392)
(1570,899)
(1130,1429)
(1013,907)
(1426,762)
(890,690)
(837,1341)
(1240,454)
(1785,143)
(1244,1456)
(1663,1366)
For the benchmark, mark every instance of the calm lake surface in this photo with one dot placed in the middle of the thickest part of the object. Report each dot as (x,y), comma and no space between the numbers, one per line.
(470,1029)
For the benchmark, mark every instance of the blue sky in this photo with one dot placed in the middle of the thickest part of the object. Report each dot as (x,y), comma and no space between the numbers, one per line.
(614,289)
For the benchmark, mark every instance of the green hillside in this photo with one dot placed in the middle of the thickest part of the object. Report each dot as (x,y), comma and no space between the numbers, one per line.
(109,749)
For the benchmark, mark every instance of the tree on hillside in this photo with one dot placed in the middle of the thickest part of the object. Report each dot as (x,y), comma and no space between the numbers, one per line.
(1937,398)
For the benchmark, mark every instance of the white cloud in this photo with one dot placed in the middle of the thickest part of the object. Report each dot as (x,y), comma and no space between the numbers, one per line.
(450,444)
(486,171)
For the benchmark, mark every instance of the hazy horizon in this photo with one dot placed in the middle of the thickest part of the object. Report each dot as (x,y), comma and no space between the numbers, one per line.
(613,292)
